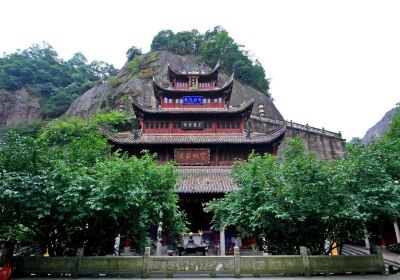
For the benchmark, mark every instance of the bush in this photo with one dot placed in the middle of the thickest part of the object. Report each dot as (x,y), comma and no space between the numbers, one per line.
(114,120)
(134,65)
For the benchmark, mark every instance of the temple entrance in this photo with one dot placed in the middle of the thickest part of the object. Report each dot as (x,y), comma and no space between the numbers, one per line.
(200,224)
(193,205)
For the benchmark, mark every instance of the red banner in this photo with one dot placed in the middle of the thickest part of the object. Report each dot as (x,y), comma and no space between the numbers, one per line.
(200,156)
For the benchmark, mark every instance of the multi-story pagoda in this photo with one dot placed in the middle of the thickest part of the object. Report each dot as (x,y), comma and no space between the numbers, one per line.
(194,125)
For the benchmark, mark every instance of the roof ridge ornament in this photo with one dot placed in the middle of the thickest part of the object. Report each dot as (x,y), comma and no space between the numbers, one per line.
(248,133)
(199,69)
(136,133)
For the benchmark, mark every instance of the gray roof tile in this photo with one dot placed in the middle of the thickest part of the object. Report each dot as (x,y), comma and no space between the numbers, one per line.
(205,180)
(128,138)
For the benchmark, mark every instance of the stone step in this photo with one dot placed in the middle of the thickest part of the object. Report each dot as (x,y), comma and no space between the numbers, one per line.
(355,250)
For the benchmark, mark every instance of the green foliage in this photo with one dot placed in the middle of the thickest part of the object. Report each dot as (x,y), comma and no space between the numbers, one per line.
(62,131)
(20,153)
(393,132)
(56,81)
(24,129)
(65,189)
(101,70)
(388,148)
(303,201)
(134,65)
(161,40)
(113,120)
(214,45)
(114,81)
(132,52)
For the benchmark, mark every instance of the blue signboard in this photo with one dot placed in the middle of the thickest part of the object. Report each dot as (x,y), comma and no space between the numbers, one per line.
(193,100)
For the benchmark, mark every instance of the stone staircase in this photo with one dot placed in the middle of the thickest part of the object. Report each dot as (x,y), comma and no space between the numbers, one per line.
(389,257)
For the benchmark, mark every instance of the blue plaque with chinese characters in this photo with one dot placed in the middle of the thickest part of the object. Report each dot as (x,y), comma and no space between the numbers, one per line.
(193,100)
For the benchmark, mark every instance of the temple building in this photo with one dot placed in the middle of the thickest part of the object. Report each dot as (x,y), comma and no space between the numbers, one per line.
(194,125)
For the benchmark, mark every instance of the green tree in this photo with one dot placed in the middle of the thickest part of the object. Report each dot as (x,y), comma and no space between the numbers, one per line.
(214,45)
(304,201)
(65,189)
(132,52)
(389,147)
(55,81)
(161,40)
(77,60)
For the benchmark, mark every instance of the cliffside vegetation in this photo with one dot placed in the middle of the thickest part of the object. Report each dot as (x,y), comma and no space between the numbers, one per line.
(214,45)
(51,84)
(46,76)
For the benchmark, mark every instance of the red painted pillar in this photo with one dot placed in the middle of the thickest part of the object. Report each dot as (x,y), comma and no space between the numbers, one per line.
(142,124)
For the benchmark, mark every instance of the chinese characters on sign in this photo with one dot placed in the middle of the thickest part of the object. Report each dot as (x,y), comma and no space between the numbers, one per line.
(192,156)
(193,100)
(187,125)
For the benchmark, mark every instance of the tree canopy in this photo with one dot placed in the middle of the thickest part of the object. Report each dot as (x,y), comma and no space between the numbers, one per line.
(132,52)
(55,81)
(304,201)
(214,45)
(65,189)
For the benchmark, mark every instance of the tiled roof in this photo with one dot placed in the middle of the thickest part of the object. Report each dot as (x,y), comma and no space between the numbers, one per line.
(205,180)
(128,138)
(246,106)
(159,88)
(185,70)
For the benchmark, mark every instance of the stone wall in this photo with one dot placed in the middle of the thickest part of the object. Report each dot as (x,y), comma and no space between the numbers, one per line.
(213,265)
(326,144)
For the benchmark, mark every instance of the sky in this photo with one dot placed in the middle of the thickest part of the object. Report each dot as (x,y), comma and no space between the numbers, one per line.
(332,64)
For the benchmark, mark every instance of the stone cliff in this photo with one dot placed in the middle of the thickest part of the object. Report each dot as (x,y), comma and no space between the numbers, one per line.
(380,127)
(18,107)
(139,85)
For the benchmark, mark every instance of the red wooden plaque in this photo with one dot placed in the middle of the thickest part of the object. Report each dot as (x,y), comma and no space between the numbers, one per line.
(194,156)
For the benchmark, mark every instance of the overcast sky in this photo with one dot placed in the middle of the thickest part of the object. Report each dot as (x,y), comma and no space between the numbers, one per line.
(332,64)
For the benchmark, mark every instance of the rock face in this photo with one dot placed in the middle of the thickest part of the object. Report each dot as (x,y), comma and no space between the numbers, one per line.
(380,127)
(140,86)
(18,107)
(119,94)
(90,102)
